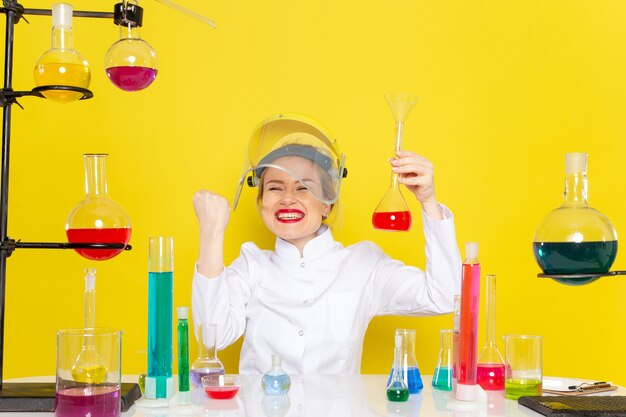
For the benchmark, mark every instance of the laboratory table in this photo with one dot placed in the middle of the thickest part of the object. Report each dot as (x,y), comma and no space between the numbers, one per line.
(335,396)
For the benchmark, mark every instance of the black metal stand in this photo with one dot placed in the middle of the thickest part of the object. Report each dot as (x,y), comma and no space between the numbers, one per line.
(22,394)
(582,276)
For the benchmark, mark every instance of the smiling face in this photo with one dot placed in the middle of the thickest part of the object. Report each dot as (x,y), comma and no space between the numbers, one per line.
(288,208)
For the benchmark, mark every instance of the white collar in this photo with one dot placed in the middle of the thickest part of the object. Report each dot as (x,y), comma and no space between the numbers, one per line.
(314,248)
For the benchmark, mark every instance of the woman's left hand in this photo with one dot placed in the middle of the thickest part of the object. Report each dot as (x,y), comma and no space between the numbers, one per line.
(417,174)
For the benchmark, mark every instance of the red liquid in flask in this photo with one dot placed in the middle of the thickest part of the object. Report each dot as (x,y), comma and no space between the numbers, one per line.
(490,376)
(392,220)
(103,401)
(131,78)
(104,235)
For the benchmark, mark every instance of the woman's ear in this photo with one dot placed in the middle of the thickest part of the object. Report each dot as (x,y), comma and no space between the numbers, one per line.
(326,211)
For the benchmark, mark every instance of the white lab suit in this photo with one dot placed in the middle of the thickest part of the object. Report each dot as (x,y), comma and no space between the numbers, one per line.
(314,310)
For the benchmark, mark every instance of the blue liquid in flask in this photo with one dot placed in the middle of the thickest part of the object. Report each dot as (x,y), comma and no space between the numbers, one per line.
(442,380)
(413,379)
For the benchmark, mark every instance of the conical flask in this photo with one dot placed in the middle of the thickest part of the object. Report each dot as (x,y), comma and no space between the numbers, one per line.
(490,369)
(442,378)
(98,219)
(130,63)
(392,212)
(409,369)
(397,389)
(207,362)
(62,65)
(575,238)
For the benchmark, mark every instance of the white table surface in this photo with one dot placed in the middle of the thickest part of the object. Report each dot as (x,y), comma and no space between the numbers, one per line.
(333,396)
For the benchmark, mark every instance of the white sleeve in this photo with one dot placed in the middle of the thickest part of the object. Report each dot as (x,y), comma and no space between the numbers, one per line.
(406,290)
(222,299)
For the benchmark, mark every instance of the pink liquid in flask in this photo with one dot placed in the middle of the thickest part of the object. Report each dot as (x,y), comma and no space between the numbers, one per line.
(104,235)
(102,401)
(490,376)
(131,78)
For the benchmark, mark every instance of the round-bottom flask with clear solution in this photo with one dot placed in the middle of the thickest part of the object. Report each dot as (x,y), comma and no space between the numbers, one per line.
(276,381)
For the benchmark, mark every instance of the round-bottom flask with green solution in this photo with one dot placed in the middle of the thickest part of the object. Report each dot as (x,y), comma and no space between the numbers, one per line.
(575,238)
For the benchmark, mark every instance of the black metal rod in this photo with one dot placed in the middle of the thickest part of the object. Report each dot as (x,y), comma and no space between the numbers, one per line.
(582,276)
(4,192)
(76,13)
(66,245)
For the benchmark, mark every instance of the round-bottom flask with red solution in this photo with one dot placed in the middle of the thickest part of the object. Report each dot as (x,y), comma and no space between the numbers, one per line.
(98,219)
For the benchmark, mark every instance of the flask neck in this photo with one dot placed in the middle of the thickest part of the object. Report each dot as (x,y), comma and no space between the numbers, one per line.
(575,190)
(397,362)
(207,342)
(62,37)
(96,175)
(277,363)
(397,148)
(399,133)
(129,32)
(408,347)
(491,310)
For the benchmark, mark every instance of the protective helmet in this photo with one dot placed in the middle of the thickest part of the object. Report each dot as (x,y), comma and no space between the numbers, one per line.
(286,135)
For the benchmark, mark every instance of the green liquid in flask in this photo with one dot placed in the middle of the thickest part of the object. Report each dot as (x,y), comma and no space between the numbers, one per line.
(397,394)
(556,258)
(515,388)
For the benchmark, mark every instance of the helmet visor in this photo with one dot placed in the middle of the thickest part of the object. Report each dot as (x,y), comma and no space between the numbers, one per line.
(299,147)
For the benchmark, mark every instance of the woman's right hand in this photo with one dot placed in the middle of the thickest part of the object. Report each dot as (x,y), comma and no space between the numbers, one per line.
(212,211)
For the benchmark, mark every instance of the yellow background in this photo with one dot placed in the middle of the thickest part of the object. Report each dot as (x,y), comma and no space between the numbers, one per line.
(507,88)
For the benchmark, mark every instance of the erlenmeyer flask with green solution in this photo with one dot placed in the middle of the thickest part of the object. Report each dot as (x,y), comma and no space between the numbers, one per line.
(575,239)
(392,212)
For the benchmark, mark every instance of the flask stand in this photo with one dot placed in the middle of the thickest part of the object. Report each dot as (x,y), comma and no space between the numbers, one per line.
(583,276)
(17,396)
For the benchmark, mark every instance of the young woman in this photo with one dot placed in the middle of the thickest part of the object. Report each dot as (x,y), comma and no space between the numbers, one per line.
(311,299)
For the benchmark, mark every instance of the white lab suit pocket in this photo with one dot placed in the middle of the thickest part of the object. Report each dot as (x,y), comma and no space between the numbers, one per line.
(343,315)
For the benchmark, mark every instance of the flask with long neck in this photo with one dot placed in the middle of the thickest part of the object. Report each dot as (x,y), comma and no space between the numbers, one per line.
(397,389)
(98,219)
(490,370)
(392,212)
(207,362)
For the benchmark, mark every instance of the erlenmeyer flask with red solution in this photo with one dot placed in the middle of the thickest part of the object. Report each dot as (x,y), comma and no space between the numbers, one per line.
(98,219)
(392,213)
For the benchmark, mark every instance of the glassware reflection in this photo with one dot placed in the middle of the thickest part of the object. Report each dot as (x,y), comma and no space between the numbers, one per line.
(309,396)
